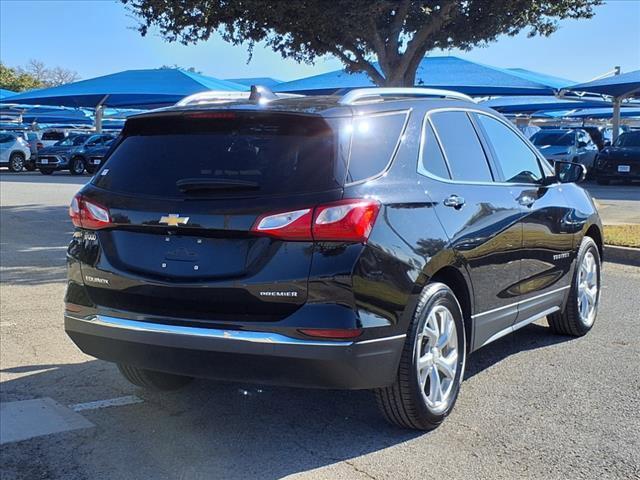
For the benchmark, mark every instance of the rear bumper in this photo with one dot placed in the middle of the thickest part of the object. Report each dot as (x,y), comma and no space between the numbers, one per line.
(235,355)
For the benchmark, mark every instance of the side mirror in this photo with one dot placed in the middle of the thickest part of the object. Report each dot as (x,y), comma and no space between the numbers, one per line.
(569,172)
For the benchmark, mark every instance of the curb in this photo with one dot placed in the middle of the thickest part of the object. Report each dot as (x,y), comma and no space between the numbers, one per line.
(624,255)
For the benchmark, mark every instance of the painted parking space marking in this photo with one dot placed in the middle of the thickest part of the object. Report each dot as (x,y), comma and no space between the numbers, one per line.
(111,402)
(26,419)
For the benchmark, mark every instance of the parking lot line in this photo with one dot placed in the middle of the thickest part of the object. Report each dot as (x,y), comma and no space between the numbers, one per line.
(111,402)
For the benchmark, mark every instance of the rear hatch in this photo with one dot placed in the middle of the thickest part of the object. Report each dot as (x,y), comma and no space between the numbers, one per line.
(183,192)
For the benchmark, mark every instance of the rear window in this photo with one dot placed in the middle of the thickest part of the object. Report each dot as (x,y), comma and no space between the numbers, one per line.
(53,136)
(374,141)
(216,154)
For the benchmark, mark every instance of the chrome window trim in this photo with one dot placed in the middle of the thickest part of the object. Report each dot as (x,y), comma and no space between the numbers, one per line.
(426,173)
(392,157)
(521,302)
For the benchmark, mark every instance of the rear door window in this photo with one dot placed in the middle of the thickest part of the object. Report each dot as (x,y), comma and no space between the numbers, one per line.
(374,141)
(219,154)
(431,158)
(463,150)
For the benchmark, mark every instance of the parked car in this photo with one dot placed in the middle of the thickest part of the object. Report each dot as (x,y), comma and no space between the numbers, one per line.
(370,241)
(52,136)
(92,156)
(67,154)
(621,161)
(14,151)
(567,145)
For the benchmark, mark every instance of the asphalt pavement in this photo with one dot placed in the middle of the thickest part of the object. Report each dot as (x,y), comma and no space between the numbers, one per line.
(533,404)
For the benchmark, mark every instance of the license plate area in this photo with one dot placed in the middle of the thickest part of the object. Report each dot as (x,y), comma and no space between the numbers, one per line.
(624,168)
(178,256)
(44,161)
(96,161)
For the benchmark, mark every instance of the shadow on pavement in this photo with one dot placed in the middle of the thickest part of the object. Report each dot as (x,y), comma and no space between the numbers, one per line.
(210,429)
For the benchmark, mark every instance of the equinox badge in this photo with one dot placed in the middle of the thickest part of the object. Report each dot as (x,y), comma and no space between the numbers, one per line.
(173,220)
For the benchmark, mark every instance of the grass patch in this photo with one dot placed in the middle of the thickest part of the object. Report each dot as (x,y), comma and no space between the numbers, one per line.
(622,235)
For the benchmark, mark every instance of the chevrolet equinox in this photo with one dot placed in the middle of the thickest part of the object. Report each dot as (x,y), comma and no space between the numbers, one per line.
(365,241)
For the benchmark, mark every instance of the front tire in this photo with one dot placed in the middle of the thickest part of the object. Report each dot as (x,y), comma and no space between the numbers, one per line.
(152,380)
(581,310)
(432,364)
(76,166)
(16,162)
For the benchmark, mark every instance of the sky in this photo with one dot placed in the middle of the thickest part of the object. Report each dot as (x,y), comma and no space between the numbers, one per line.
(98,37)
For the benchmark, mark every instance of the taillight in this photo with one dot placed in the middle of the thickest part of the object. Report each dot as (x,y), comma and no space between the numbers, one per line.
(348,220)
(87,214)
(344,221)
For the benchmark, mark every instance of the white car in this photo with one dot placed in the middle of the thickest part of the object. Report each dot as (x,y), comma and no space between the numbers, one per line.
(14,151)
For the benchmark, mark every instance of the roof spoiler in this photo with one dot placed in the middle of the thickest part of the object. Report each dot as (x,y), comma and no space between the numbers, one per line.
(258,94)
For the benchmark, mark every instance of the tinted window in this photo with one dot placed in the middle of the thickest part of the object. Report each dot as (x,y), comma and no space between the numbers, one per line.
(237,155)
(52,136)
(374,140)
(461,146)
(5,138)
(628,140)
(432,158)
(517,162)
(563,139)
(72,141)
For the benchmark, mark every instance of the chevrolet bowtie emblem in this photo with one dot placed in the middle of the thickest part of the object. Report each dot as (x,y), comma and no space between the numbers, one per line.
(173,220)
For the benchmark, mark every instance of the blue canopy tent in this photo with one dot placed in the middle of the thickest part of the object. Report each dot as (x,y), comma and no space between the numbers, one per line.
(450,73)
(263,81)
(627,112)
(131,89)
(532,104)
(29,114)
(4,93)
(620,86)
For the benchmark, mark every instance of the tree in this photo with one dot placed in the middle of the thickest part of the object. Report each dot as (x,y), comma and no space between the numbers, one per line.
(11,79)
(48,77)
(178,67)
(396,33)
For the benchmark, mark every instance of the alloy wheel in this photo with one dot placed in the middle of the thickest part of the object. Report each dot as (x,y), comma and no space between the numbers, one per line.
(437,358)
(588,288)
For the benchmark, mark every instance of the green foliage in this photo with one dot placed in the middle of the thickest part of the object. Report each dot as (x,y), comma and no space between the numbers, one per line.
(11,79)
(396,33)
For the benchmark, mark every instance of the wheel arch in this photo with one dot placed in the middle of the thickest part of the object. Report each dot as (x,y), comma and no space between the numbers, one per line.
(462,289)
(595,232)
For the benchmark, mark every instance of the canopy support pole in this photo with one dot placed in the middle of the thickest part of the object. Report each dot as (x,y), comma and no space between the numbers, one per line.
(616,118)
(99,114)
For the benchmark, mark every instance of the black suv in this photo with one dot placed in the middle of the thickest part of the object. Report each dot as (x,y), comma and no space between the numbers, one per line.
(370,241)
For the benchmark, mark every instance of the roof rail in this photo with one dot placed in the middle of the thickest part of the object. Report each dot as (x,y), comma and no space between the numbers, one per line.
(376,94)
(258,94)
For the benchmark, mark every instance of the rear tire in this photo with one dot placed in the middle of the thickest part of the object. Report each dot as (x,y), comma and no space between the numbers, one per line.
(581,310)
(76,166)
(16,162)
(413,400)
(152,380)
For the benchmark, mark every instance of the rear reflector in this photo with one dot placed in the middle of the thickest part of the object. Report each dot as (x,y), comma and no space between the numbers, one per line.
(87,214)
(345,221)
(334,333)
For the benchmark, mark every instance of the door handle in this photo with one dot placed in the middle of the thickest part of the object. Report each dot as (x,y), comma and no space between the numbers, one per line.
(454,201)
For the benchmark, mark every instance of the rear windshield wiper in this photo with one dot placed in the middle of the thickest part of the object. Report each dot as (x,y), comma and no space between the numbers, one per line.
(204,184)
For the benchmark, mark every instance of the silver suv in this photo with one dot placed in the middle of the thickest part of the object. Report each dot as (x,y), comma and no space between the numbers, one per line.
(14,151)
